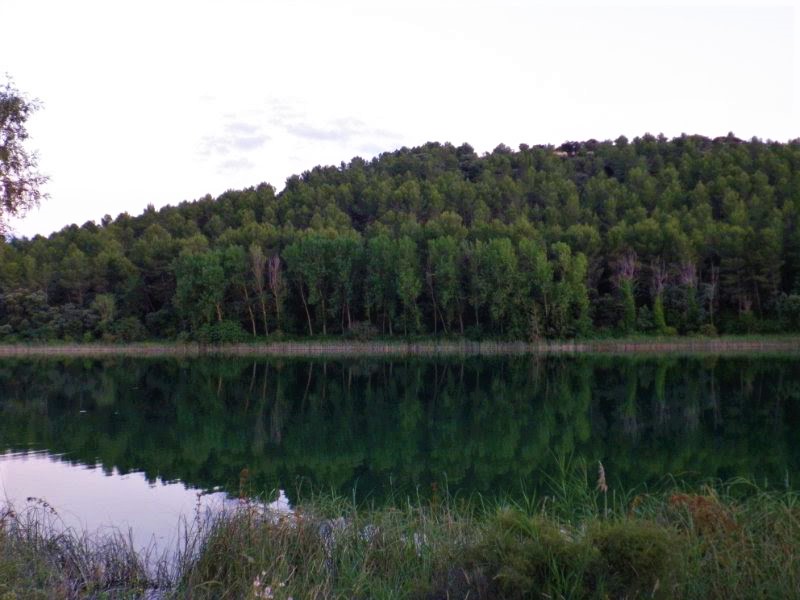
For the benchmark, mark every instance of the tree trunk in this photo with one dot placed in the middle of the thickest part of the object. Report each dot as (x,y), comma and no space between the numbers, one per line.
(429,279)
(264,312)
(324,317)
(249,309)
(277,311)
(308,314)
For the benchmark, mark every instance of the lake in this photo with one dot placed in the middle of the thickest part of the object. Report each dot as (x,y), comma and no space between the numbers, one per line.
(138,443)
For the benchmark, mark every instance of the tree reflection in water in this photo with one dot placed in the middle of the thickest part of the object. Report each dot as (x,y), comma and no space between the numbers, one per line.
(490,426)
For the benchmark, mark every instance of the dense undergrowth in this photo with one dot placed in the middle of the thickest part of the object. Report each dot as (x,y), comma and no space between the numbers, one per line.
(580,540)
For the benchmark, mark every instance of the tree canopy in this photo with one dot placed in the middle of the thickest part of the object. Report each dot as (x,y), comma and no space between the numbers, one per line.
(20,182)
(650,235)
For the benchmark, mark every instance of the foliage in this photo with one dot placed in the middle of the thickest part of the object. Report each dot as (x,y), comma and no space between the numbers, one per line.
(20,182)
(628,236)
(223,332)
(653,546)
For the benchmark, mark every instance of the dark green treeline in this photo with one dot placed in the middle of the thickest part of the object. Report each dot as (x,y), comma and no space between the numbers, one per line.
(649,235)
(489,426)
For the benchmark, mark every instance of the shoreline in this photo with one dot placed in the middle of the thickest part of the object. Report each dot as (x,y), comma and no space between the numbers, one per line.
(332,348)
(717,542)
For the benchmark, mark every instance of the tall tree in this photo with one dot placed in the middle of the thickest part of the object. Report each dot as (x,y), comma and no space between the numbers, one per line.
(20,182)
(409,282)
(658,273)
(258,269)
(380,285)
(442,277)
(627,267)
(200,287)
(277,286)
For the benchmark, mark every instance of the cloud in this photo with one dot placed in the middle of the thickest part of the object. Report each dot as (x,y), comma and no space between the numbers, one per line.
(292,118)
(309,132)
(233,140)
(235,164)
(241,127)
(247,143)
(338,130)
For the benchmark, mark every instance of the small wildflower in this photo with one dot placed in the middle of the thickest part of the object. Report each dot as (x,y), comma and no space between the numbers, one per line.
(601,478)
(258,584)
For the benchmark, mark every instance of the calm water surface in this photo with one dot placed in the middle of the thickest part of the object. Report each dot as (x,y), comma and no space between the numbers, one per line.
(130,442)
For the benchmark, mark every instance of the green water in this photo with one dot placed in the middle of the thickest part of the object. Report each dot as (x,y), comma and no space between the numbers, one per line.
(374,428)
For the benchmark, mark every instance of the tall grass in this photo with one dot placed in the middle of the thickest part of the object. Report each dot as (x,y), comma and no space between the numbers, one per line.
(42,558)
(579,539)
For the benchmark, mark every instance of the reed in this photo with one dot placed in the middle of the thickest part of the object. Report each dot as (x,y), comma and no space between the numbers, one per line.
(582,538)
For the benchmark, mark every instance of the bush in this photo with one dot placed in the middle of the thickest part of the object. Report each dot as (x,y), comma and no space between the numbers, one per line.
(128,329)
(635,558)
(707,330)
(223,332)
(789,311)
(644,320)
(533,556)
(162,323)
(362,331)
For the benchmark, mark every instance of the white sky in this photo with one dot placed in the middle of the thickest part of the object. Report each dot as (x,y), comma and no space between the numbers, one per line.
(163,101)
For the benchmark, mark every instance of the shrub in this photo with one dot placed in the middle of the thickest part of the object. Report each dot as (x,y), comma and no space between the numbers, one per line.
(530,556)
(707,330)
(128,329)
(362,331)
(534,556)
(635,558)
(223,332)
(644,320)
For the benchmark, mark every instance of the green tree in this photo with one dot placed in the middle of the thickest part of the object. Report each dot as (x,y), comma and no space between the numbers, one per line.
(627,268)
(306,263)
(343,266)
(496,279)
(659,281)
(409,282)
(200,288)
(75,274)
(258,270)
(535,289)
(380,285)
(443,278)
(277,285)
(20,182)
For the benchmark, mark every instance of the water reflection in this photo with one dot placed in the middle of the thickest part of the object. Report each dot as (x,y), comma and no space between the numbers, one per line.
(87,499)
(381,427)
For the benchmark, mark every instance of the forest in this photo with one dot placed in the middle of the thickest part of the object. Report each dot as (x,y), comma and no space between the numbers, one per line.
(682,236)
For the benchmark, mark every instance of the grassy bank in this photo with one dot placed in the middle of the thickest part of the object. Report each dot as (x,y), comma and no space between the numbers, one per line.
(347,348)
(578,541)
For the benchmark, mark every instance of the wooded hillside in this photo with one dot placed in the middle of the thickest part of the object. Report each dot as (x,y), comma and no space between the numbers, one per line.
(649,235)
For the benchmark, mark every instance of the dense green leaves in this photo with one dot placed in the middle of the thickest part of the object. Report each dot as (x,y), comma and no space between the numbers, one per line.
(19,179)
(647,235)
